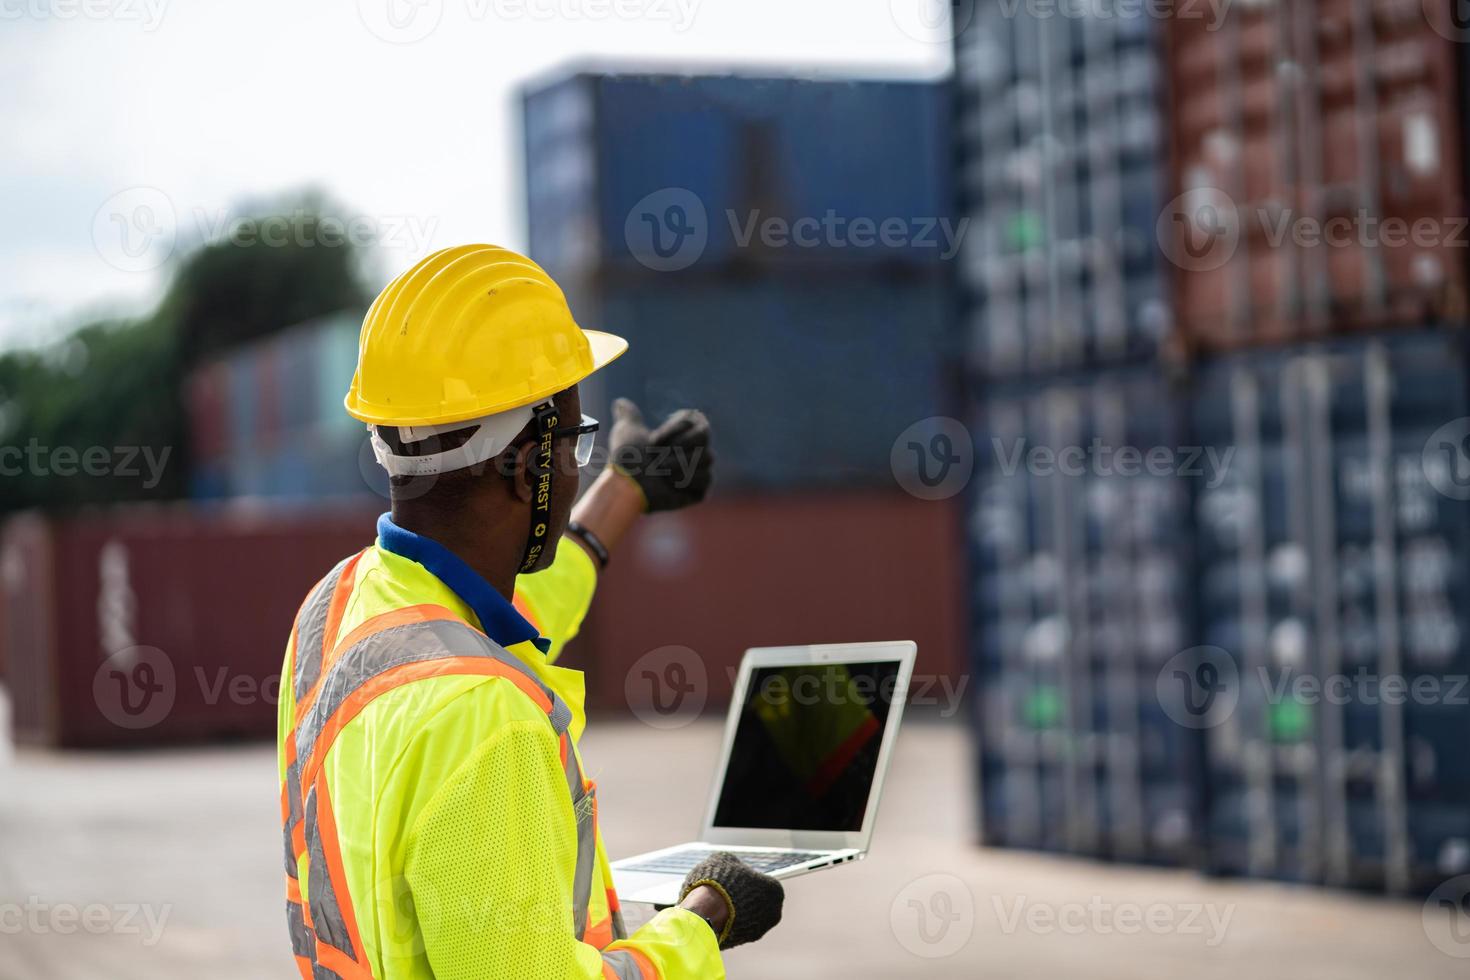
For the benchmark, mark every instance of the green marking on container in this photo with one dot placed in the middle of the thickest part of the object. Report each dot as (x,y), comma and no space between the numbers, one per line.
(1042,708)
(1289,721)
(1024,231)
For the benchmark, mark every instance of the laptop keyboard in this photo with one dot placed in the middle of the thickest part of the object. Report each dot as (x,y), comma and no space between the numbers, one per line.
(682,862)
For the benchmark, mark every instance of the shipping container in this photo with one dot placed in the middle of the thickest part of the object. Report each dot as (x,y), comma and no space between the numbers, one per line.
(267,419)
(1318,154)
(1059,140)
(158,624)
(1080,569)
(805,384)
(623,169)
(125,626)
(1333,570)
(711,581)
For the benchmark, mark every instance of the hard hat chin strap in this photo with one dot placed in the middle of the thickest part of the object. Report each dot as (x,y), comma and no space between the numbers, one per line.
(539,468)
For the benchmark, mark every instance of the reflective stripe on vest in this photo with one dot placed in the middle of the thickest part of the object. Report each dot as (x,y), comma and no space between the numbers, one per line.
(324,603)
(627,964)
(394,648)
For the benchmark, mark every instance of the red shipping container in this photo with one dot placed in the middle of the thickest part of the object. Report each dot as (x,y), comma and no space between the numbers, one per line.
(166,624)
(1320,145)
(771,571)
(149,625)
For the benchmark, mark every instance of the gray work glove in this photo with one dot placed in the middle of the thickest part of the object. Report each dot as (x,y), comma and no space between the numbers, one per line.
(754,899)
(671,464)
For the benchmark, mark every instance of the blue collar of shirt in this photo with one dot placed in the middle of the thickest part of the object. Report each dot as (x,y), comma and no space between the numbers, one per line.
(499,619)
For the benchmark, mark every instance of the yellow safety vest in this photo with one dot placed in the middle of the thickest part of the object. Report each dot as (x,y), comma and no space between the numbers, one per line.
(437,820)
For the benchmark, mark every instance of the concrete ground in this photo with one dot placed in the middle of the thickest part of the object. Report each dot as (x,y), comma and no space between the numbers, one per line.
(167,865)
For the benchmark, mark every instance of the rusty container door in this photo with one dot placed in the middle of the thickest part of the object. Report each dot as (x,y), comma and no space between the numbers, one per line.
(1317,154)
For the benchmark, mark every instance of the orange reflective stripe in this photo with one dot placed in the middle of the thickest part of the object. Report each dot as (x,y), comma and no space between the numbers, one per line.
(396,676)
(599,934)
(345,584)
(341,964)
(325,953)
(293,890)
(423,612)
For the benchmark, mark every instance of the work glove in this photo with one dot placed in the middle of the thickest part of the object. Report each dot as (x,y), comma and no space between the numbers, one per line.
(671,464)
(754,899)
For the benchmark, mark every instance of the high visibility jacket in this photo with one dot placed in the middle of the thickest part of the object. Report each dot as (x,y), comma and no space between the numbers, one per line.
(437,819)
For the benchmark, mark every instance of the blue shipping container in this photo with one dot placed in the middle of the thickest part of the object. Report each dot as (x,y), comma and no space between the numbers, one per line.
(1333,574)
(1080,564)
(804,384)
(620,167)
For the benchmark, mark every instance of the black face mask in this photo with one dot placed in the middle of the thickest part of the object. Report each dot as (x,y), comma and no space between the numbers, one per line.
(540,467)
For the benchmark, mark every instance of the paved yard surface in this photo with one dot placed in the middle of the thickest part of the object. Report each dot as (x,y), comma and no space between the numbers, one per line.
(166,865)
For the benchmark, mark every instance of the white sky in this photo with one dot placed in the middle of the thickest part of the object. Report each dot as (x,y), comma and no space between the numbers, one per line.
(204,104)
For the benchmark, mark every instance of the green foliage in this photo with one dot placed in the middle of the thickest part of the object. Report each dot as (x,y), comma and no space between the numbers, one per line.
(112,389)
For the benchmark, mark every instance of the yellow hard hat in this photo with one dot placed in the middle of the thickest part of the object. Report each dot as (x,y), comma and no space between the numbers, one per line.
(468,332)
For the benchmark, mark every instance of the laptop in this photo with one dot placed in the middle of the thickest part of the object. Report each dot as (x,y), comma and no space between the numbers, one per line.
(807,742)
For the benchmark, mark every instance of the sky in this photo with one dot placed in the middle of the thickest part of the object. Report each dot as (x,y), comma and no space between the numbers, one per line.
(135,127)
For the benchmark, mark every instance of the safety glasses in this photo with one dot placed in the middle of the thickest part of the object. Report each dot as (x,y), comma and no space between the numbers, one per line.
(585,432)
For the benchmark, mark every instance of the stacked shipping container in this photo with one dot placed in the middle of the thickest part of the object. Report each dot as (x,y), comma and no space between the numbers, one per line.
(775,250)
(1079,593)
(1333,576)
(1320,173)
(1079,563)
(1060,142)
(1318,167)
(266,420)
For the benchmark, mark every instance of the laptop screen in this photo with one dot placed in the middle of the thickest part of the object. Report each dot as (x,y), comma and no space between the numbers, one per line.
(806,746)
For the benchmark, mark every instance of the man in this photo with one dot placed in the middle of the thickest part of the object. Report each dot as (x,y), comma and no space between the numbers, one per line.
(437,818)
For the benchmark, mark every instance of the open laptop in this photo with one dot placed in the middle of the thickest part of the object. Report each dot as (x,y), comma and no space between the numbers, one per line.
(807,742)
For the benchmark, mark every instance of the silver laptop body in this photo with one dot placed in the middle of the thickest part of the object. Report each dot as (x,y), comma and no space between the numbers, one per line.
(807,741)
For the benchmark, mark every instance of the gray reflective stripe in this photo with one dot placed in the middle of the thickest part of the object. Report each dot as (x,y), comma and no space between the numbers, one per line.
(311,633)
(394,647)
(620,929)
(301,941)
(306,666)
(623,964)
(319,972)
(584,806)
(293,797)
(327,920)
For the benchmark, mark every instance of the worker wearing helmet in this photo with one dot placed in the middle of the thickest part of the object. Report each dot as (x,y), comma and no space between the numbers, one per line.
(438,821)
